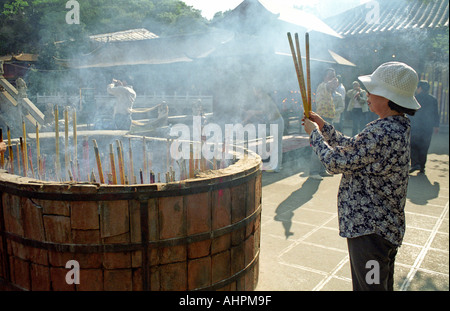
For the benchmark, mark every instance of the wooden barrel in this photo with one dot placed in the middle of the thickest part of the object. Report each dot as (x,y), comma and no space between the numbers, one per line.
(199,234)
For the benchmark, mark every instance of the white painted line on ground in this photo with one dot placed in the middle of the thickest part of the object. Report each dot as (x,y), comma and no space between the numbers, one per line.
(338,267)
(423,252)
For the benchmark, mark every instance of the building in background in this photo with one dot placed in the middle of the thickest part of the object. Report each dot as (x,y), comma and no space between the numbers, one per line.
(411,31)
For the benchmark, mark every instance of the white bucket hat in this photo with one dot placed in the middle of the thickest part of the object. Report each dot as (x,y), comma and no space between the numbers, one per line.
(395,81)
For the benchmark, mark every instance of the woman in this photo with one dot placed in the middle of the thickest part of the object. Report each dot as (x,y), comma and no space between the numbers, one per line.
(357,106)
(374,168)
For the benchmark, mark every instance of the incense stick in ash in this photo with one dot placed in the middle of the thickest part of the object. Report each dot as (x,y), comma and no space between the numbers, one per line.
(99,163)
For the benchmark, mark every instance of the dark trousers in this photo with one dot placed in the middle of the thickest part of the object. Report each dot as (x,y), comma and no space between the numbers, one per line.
(419,149)
(372,263)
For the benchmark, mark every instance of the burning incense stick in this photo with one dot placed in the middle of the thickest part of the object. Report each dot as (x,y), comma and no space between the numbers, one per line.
(38,152)
(130,153)
(71,169)
(86,155)
(66,140)
(149,161)
(75,149)
(78,170)
(120,159)
(2,154)
(30,159)
(152,177)
(99,162)
(145,157)
(43,158)
(18,158)
(182,166)
(57,163)
(300,68)
(167,154)
(300,77)
(191,161)
(69,172)
(23,156)
(122,156)
(25,146)
(202,158)
(167,177)
(113,165)
(308,73)
(11,156)
(92,179)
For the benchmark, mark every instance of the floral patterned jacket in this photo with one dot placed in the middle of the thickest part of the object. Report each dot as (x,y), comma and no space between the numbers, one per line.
(374,167)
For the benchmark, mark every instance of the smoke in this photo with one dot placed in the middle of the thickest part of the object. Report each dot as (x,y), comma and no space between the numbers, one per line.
(246,49)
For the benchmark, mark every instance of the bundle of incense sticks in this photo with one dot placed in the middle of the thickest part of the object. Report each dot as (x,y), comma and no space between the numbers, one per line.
(305,89)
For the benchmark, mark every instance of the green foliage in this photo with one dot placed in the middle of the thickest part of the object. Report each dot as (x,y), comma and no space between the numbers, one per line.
(13,7)
(440,44)
(39,26)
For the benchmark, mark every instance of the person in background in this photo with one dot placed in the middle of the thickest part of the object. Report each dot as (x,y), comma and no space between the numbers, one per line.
(423,124)
(374,165)
(125,96)
(264,110)
(339,107)
(357,106)
(325,107)
(324,97)
(341,90)
(2,146)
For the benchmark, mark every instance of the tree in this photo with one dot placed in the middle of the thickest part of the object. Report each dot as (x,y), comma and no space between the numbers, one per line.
(40,27)
(31,26)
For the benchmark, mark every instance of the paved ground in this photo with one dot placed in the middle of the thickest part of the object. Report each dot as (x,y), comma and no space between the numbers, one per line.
(301,249)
